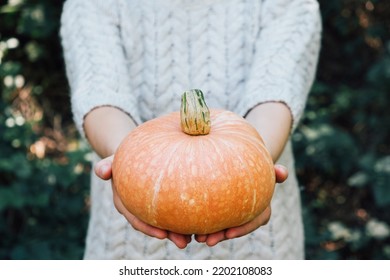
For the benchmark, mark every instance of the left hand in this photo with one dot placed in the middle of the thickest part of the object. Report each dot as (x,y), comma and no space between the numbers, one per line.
(103,170)
(214,238)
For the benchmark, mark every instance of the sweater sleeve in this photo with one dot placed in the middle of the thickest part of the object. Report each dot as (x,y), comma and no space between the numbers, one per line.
(95,59)
(285,56)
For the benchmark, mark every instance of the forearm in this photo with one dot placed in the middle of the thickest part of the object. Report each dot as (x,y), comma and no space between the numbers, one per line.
(273,122)
(105,127)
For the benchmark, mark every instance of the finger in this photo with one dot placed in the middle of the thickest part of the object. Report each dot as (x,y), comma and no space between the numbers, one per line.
(215,238)
(249,227)
(145,228)
(201,238)
(281,173)
(136,223)
(103,168)
(180,240)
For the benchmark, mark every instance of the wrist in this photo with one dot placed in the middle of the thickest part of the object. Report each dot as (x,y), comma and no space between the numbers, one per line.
(273,122)
(105,127)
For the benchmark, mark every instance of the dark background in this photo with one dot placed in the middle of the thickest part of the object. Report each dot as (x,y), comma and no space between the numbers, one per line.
(342,144)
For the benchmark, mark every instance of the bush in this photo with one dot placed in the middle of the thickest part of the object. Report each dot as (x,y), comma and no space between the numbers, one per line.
(342,149)
(43,166)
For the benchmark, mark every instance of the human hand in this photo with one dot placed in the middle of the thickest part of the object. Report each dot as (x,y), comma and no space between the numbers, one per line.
(212,239)
(103,170)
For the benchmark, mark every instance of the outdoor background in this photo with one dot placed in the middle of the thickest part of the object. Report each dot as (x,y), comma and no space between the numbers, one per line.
(342,145)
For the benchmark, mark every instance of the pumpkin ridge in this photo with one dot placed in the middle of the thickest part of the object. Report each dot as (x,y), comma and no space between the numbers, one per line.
(232,144)
(157,185)
(227,151)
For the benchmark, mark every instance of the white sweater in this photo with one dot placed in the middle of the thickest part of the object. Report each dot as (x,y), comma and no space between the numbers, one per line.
(140,56)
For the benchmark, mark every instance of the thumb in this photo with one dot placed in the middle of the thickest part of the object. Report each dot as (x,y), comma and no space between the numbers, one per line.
(281,173)
(103,168)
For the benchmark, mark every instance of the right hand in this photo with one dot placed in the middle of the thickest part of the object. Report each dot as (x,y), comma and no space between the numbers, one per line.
(281,174)
(103,170)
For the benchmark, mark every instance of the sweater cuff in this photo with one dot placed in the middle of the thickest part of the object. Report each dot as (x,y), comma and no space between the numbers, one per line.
(250,101)
(91,102)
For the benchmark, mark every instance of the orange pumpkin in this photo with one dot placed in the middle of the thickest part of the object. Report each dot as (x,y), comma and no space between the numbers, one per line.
(194,171)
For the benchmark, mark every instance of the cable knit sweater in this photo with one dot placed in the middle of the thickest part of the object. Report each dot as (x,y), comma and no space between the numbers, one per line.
(140,56)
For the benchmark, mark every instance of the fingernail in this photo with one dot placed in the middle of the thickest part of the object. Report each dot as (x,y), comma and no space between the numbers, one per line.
(103,170)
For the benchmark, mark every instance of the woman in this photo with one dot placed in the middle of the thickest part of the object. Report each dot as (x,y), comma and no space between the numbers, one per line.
(128,61)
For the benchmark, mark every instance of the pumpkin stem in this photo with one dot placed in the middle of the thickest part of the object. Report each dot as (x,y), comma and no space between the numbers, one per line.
(194,113)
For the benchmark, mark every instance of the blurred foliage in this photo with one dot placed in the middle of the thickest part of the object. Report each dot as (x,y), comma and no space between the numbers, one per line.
(43,165)
(342,145)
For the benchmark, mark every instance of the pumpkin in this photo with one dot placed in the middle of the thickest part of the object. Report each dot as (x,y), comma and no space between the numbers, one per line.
(196,171)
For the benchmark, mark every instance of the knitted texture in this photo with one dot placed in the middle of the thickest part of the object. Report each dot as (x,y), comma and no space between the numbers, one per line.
(140,56)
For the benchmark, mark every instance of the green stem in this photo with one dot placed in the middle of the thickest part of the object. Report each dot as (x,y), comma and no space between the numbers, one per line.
(194,113)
